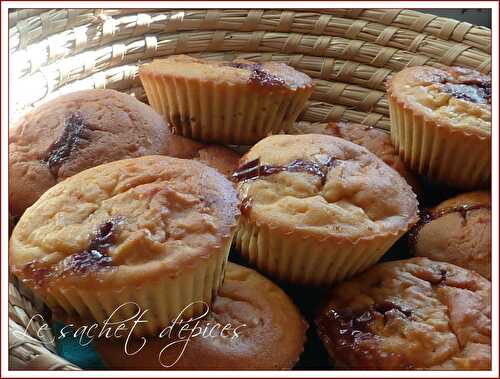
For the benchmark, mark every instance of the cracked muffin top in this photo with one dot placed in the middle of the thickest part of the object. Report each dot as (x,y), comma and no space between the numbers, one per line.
(457,231)
(455,98)
(375,140)
(122,222)
(323,187)
(87,128)
(412,314)
(270,75)
(270,332)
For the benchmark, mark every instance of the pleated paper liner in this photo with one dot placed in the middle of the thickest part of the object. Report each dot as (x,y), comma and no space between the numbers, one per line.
(307,261)
(236,114)
(444,154)
(164,299)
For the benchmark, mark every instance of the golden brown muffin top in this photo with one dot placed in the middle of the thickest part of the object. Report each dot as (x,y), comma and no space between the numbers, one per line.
(267,75)
(270,332)
(323,187)
(87,128)
(458,231)
(411,314)
(455,98)
(375,140)
(74,132)
(124,222)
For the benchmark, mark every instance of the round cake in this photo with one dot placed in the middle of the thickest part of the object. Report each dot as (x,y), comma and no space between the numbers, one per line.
(153,231)
(375,140)
(414,314)
(264,331)
(238,102)
(457,231)
(441,123)
(317,209)
(87,128)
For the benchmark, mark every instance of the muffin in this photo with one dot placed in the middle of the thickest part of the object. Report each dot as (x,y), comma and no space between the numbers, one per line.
(237,102)
(266,333)
(441,124)
(84,129)
(153,231)
(317,209)
(457,231)
(413,314)
(375,140)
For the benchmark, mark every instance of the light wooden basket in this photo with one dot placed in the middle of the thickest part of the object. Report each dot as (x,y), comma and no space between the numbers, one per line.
(349,53)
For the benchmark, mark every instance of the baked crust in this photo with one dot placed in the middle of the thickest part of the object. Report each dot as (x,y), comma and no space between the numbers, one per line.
(323,187)
(375,140)
(458,231)
(457,99)
(411,314)
(267,75)
(87,128)
(271,334)
(88,230)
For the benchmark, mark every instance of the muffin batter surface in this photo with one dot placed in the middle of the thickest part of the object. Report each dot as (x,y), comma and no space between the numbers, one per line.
(323,185)
(117,222)
(413,314)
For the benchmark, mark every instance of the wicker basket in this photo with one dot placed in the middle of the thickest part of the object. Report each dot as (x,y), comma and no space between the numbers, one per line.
(348,52)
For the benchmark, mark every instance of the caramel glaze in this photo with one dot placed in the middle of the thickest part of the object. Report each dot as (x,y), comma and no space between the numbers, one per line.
(347,329)
(427,216)
(74,131)
(471,87)
(93,258)
(253,170)
(258,76)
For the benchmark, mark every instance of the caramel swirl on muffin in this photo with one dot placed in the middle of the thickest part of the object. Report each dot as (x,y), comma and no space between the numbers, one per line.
(413,314)
(264,331)
(441,123)
(457,231)
(317,209)
(87,128)
(375,140)
(154,231)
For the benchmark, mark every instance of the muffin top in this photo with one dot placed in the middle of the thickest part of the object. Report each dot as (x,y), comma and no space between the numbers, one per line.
(458,231)
(123,222)
(267,75)
(323,187)
(375,140)
(456,97)
(84,129)
(270,332)
(411,314)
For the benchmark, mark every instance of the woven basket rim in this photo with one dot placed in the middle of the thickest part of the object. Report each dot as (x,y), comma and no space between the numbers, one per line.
(349,53)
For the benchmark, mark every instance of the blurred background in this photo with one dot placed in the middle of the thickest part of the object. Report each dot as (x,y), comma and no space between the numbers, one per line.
(474,16)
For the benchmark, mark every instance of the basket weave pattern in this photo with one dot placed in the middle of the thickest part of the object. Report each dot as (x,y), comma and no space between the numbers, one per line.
(349,53)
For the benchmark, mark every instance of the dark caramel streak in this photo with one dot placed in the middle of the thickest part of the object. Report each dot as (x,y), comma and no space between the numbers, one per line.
(258,76)
(73,132)
(426,217)
(468,86)
(95,257)
(254,170)
(469,92)
(347,330)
